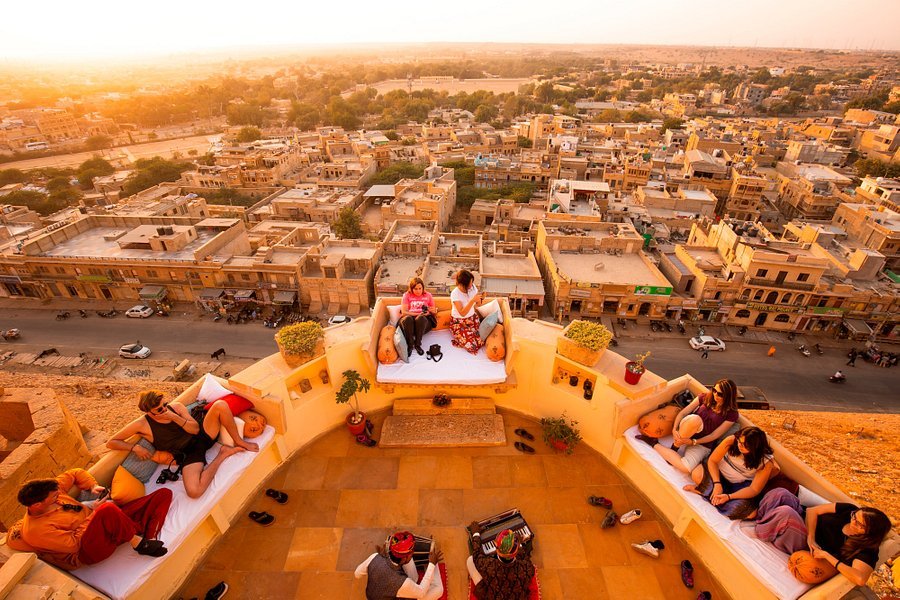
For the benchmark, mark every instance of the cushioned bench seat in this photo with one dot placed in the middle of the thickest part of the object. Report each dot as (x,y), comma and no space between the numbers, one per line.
(767,563)
(457,366)
(126,571)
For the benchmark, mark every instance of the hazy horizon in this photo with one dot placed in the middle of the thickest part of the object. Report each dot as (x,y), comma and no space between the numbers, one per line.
(100,30)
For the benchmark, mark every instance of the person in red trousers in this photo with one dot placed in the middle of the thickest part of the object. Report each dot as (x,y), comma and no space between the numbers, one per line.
(69,534)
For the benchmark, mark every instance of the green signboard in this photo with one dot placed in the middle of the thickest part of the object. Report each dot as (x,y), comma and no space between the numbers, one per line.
(652,290)
(94,278)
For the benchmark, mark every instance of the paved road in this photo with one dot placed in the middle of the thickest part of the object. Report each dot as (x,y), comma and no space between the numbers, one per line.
(790,380)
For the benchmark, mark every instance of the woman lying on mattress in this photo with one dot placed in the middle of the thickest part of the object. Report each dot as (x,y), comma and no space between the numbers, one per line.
(737,473)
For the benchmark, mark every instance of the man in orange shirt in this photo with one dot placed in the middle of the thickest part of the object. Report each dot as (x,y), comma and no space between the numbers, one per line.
(70,534)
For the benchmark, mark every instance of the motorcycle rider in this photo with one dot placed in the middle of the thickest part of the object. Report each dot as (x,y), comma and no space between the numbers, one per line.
(838,375)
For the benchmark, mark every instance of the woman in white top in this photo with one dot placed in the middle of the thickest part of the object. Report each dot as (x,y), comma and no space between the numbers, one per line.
(736,473)
(463,317)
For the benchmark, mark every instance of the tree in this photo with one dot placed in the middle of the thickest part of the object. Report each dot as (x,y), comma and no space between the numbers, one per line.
(524,142)
(98,142)
(348,224)
(98,165)
(671,123)
(876,168)
(36,201)
(397,171)
(57,183)
(249,134)
(153,171)
(874,102)
(12,176)
(486,113)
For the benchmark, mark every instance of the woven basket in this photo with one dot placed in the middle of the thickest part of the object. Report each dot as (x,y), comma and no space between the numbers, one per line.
(296,360)
(580,354)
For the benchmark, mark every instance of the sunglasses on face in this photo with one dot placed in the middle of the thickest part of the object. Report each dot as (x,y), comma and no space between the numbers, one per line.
(716,391)
(857,520)
(160,409)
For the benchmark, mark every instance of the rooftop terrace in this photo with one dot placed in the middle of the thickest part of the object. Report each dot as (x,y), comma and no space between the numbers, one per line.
(627,269)
(103,241)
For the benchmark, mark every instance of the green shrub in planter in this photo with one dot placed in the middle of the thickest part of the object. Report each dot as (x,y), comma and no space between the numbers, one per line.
(300,338)
(561,433)
(588,334)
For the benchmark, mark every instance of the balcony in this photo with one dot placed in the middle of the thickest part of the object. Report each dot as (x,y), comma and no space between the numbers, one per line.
(788,285)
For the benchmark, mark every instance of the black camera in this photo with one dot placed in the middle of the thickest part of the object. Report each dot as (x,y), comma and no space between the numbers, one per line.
(167,475)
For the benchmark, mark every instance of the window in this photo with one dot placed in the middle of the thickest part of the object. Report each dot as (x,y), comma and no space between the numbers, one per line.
(786,299)
(771,297)
(742,314)
(745,295)
(782,318)
(758,295)
(152,273)
(803,277)
(762,272)
(60,270)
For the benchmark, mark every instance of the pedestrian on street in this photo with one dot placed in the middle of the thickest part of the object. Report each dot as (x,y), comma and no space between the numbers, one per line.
(705,353)
(852,356)
(771,351)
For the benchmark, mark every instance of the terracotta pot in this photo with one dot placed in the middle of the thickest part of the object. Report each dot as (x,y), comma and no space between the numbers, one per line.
(580,354)
(559,445)
(296,360)
(633,377)
(358,428)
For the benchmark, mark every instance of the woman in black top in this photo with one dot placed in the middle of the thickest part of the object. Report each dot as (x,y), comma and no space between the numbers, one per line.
(847,537)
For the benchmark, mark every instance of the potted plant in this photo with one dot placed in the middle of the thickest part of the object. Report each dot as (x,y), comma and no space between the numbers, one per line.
(634,369)
(561,433)
(353,383)
(300,342)
(583,342)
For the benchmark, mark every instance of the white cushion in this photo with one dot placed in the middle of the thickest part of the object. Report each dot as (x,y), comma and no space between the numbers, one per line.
(809,498)
(394,314)
(212,390)
(489,308)
(225,439)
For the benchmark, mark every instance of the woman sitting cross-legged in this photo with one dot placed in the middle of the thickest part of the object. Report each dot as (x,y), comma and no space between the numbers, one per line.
(464,318)
(718,412)
(736,473)
(835,538)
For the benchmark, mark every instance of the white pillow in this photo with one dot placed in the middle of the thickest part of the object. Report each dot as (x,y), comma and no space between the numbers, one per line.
(394,314)
(225,439)
(489,308)
(809,498)
(212,390)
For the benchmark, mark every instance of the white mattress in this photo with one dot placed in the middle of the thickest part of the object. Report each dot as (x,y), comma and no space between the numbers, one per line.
(766,562)
(457,366)
(126,570)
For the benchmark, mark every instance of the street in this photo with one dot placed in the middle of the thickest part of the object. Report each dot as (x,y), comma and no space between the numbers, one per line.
(789,380)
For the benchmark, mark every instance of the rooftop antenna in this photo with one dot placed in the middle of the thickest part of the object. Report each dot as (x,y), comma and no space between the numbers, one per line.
(409,80)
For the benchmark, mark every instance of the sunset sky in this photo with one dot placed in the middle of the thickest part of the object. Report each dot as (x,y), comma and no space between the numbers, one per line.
(104,29)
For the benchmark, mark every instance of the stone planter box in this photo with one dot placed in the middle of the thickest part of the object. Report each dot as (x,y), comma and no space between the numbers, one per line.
(296,360)
(580,354)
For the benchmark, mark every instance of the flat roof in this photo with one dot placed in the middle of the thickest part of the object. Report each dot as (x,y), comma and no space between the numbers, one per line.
(91,243)
(380,191)
(398,270)
(509,264)
(607,268)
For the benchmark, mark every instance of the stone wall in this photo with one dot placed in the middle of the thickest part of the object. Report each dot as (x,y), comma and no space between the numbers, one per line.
(45,440)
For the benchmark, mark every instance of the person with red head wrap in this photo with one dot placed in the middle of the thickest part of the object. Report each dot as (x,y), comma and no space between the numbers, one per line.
(392,574)
(504,575)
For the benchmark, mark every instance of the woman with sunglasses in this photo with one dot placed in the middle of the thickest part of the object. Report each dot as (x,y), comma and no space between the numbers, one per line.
(718,410)
(837,538)
(736,473)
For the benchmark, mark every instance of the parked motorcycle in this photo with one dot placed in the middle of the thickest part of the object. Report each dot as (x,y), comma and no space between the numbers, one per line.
(668,326)
(614,342)
(802,349)
(791,336)
(654,326)
(63,316)
(681,328)
(840,379)
(83,313)
(162,313)
(819,350)
(742,330)
(11,334)
(622,323)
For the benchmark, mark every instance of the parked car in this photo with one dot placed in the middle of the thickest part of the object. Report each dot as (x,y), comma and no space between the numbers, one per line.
(135,350)
(707,342)
(338,319)
(139,312)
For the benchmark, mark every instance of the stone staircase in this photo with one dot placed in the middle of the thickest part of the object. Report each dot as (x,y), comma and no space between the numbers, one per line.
(417,423)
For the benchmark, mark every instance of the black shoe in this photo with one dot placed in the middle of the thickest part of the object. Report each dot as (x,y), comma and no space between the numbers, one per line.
(217,591)
(152,548)
(419,350)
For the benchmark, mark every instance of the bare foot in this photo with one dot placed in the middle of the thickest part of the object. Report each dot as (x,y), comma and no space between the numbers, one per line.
(248,446)
(227,451)
(691,488)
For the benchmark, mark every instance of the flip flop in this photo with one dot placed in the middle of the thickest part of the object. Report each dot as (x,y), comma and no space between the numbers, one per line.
(524,448)
(600,501)
(365,440)
(279,497)
(523,433)
(263,518)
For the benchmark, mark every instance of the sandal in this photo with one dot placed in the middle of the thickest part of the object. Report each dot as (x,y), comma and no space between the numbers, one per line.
(523,433)
(524,448)
(600,501)
(263,518)
(365,440)
(279,497)
(609,520)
